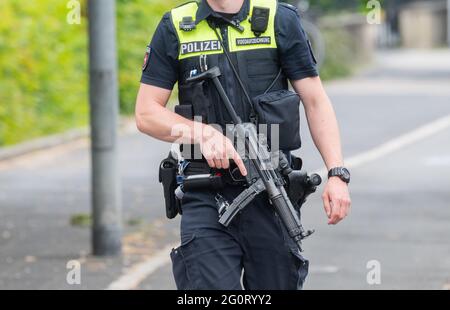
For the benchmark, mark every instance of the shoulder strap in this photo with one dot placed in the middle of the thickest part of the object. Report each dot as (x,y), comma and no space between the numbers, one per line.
(253,117)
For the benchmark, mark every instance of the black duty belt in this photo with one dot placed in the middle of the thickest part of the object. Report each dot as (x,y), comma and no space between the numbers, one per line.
(197,167)
(202,167)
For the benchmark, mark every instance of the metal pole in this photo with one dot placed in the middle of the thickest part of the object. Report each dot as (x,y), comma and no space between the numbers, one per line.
(448,22)
(106,198)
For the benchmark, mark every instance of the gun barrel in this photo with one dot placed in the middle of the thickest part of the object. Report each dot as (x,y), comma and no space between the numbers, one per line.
(314,180)
(290,221)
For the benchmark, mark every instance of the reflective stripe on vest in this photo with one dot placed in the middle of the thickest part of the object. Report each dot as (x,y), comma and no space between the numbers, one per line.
(203,40)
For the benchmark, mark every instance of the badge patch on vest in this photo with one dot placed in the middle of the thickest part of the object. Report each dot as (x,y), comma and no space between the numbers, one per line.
(146,58)
(252,41)
(200,46)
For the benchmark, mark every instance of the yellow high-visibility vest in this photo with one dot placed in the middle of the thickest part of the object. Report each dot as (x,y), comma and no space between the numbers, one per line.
(203,40)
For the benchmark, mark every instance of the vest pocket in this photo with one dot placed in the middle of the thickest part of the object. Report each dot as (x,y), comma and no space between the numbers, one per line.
(280,108)
(197,96)
(261,68)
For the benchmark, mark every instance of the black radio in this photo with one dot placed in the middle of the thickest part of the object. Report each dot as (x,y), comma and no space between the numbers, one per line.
(187,24)
(260,20)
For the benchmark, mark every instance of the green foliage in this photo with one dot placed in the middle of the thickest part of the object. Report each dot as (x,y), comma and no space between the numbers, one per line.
(42,70)
(81,220)
(333,5)
(330,6)
(340,55)
(44,63)
(365,5)
(137,19)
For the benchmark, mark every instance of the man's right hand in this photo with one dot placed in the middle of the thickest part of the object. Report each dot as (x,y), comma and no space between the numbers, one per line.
(218,150)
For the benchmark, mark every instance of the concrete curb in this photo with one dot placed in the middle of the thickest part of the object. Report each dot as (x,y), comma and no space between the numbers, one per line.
(42,143)
(126,125)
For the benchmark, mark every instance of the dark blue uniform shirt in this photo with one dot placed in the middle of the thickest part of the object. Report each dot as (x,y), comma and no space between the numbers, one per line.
(296,57)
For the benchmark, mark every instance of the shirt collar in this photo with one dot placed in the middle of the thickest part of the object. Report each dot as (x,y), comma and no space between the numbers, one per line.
(204,11)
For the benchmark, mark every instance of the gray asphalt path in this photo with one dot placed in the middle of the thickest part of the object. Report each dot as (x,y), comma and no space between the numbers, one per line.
(400,202)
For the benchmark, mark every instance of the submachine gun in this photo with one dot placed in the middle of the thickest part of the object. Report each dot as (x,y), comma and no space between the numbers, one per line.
(287,188)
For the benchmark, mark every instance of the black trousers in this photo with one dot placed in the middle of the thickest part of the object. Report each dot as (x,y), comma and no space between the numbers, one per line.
(253,253)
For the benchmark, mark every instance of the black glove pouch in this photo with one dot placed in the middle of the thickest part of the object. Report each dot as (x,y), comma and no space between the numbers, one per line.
(280,107)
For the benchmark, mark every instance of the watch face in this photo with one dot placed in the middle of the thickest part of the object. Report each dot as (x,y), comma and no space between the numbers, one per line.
(345,174)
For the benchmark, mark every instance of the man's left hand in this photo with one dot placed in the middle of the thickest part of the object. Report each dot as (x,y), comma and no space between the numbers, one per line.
(336,200)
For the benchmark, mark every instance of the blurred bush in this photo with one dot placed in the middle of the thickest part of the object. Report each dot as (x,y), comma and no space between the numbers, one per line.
(330,6)
(339,58)
(137,19)
(42,70)
(43,63)
(350,43)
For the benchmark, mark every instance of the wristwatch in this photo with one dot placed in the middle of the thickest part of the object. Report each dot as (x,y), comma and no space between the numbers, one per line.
(340,172)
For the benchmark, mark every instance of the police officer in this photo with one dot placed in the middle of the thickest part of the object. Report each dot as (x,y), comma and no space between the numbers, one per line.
(263,43)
